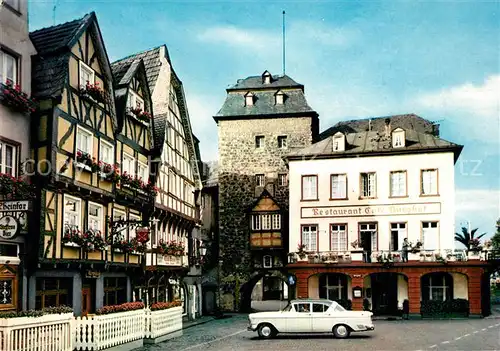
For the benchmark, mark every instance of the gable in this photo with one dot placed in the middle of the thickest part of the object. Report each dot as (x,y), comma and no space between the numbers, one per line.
(265,204)
(85,50)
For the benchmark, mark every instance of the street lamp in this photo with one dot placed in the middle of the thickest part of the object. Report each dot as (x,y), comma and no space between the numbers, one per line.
(203,250)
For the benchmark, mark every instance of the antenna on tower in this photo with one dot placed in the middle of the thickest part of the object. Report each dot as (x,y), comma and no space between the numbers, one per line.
(284,42)
(56,2)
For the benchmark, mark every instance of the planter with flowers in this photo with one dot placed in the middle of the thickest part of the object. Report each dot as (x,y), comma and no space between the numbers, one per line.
(119,244)
(171,248)
(72,236)
(12,96)
(92,92)
(475,248)
(109,172)
(301,252)
(141,115)
(86,161)
(12,188)
(92,240)
(150,189)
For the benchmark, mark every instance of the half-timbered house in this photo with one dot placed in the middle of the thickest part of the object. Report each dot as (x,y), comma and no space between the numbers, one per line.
(173,263)
(77,260)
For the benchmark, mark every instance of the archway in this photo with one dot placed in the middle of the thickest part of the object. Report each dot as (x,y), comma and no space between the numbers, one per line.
(386,292)
(276,296)
(331,286)
(437,286)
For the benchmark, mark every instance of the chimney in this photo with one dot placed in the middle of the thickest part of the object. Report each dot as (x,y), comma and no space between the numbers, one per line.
(387,127)
(435,130)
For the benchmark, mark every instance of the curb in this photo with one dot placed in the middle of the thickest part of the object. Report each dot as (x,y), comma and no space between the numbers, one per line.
(194,324)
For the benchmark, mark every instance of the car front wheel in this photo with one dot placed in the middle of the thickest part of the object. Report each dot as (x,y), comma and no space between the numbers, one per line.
(341,331)
(266,331)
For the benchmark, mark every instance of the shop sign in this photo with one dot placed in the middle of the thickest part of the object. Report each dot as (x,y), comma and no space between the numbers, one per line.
(15,206)
(9,227)
(92,274)
(371,210)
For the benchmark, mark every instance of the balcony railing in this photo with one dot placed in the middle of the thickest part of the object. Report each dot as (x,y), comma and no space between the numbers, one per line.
(388,256)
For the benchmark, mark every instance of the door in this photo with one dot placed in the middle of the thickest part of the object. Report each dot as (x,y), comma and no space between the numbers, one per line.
(366,242)
(300,319)
(385,293)
(322,318)
(86,301)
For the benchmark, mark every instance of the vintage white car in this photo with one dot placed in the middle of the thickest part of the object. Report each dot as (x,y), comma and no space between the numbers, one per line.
(311,316)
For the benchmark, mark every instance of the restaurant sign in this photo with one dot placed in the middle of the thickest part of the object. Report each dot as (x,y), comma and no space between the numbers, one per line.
(371,210)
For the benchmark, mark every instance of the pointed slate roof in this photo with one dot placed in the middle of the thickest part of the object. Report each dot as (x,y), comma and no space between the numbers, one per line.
(376,142)
(255,82)
(53,44)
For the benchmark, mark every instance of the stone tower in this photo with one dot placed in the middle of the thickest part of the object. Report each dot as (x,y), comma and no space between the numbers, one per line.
(263,119)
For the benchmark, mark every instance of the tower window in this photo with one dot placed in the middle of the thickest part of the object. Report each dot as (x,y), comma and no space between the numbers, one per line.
(259,179)
(282,142)
(259,142)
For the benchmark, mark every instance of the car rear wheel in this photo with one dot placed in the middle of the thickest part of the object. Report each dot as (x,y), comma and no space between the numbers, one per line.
(341,331)
(266,331)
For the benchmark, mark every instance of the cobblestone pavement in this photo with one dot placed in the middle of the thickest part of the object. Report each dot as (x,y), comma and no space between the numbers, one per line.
(231,334)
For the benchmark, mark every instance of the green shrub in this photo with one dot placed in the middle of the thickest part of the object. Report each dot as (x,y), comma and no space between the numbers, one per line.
(436,308)
(36,313)
(366,305)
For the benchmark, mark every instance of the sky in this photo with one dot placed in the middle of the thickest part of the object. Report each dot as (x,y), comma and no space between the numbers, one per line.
(357,59)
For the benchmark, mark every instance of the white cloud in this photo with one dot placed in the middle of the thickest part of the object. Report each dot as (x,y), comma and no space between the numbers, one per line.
(475,108)
(477,200)
(250,39)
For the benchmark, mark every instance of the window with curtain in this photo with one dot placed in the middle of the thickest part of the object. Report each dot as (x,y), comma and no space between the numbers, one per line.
(398,183)
(310,187)
(430,235)
(429,182)
(310,237)
(338,237)
(339,186)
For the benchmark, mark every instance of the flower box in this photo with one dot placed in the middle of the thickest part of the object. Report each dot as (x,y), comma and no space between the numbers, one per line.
(83,166)
(12,96)
(71,244)
(142,116)
(92,93)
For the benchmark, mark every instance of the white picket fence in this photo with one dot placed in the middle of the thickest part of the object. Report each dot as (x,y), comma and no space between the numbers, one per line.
(51,332)
(162,322)
(101,332)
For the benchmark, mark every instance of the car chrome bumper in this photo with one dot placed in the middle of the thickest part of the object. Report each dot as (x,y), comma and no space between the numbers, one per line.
(251,328)
(369,327)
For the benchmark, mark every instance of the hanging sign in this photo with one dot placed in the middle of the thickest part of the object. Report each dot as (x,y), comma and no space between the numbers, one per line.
(142,234)
(9,227)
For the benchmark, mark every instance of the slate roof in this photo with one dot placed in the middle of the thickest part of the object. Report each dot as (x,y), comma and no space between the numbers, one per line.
(151,59)
(405,121)
(50,65)
(256,82)
(359,141)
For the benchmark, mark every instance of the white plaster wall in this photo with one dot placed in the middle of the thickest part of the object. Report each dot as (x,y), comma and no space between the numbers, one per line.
(382,165)
(14,37)
(402,290)
(460,286)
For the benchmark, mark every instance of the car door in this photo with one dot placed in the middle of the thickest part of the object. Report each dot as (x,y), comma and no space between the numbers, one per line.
(300,319)
(322,318)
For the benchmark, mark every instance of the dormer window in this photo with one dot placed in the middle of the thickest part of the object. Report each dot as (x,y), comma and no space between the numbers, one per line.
(266,77)
(249,99)
(338,142)
(279,98)
(398,137)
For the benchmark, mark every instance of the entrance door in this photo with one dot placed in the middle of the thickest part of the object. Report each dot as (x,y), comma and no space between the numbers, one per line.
(86,301)
(385,293)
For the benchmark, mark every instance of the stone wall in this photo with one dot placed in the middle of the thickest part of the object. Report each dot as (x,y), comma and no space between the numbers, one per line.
(239,162)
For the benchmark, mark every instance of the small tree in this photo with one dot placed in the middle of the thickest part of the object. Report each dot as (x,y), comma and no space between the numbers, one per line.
(465,237)
(495,240)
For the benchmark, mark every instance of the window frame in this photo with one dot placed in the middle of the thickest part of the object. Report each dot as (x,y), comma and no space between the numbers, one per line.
(90,145)
(133,217)
(436,170)
(112,151)
(391,241)
(132,158)
(98,218)
(346,187)
(314,176)
(3,66)
(270,265)
(282,141)
(146,171)
(306,248)
(81,67)
(55,292)
(16,7)
(260,142)
(377,229)
(346,234)
(391,194)
(132,98)
(16,151)
(116,288)
(257,182)
(282,179)
(361,189)
(438,234)
(274,221)
(77,211)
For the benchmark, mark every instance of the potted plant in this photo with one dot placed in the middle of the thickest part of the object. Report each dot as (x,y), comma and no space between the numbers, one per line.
(440,258)
(12,96)
(301,252)
(291,257)
(92,92)
(111,173)
(141,115)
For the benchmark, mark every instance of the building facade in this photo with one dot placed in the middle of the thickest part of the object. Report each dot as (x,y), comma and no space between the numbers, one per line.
(16,194)
(262,119)
(173,269)
(372,218)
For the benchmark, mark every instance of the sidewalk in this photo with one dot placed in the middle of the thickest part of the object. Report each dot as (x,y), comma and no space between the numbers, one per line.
(495,312)
(202,320)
